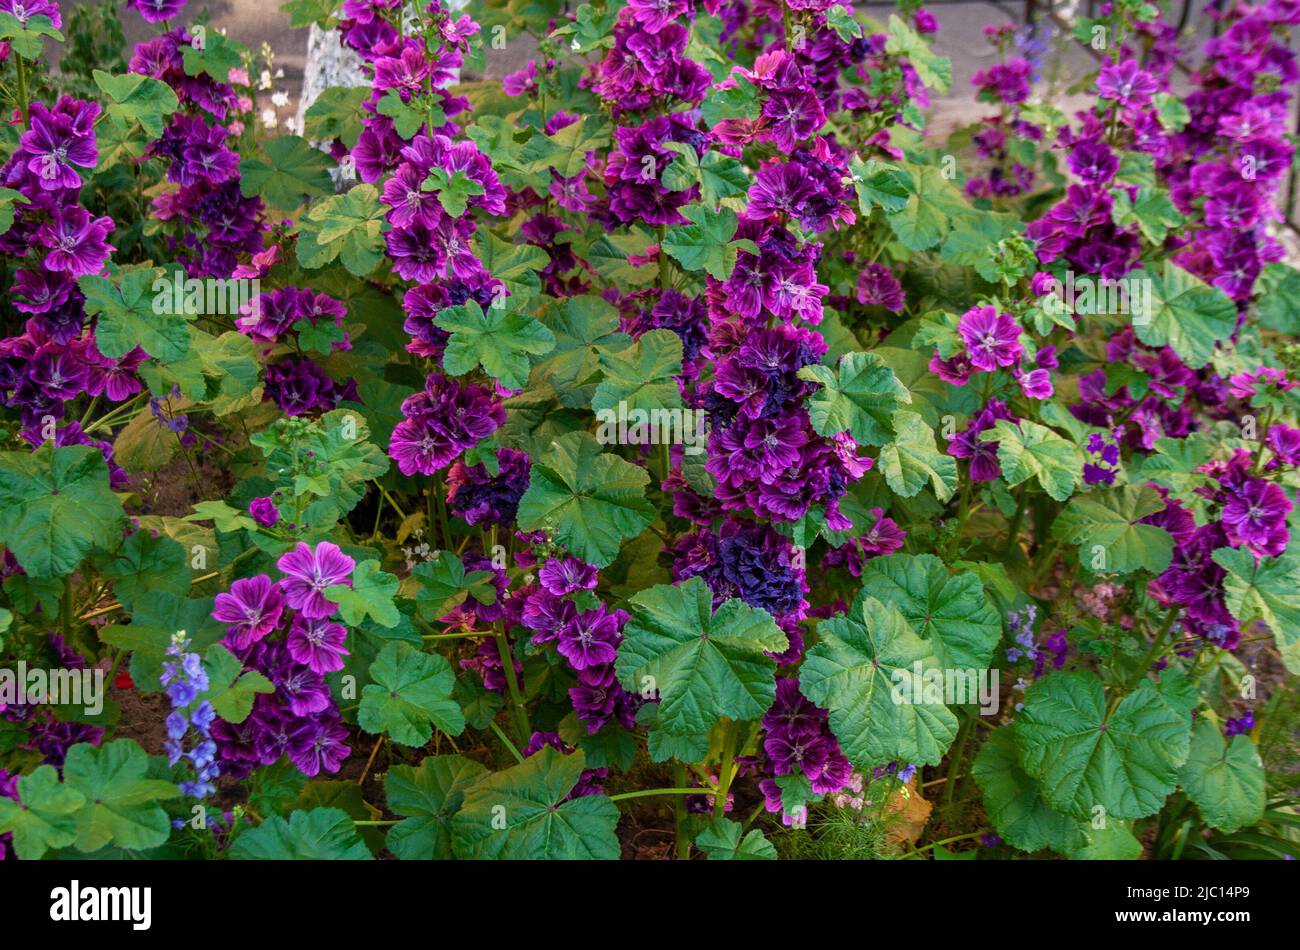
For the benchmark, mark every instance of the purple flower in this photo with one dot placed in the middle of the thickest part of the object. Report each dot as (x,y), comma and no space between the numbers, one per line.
(76,241)
(878,287)
(590,638)
(264,512)
(317,644)
(61,141)
(564,575)
(156,11)
(1256,518)
(1126,84)
(309,572)
(992,339)
(252,608)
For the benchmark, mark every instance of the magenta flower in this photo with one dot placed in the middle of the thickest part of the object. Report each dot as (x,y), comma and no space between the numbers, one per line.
(1126,84)
(1256,518)
(317,644)
(564,575)
(252,608)
(264,512)
(61,141)
(590,639)
(308,573)
(992,339)
(76,241)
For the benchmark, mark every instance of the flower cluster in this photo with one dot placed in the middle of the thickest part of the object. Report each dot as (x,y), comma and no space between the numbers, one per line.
(185,682)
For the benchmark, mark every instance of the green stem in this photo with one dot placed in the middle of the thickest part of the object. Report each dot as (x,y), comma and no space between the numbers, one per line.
(1156,647)
(375,824)
(954,765)
(505,740)
(65,615)
(679,815)
(1014,532)
(648,792)
(512,681)
(954,838)
(725,773)
(22,88)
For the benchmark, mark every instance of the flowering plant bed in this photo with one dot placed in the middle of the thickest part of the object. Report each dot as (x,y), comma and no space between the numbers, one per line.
(672,449)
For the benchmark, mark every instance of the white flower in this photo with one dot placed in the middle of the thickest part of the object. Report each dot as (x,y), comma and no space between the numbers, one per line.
(280,99)
(264,80)
(269,118)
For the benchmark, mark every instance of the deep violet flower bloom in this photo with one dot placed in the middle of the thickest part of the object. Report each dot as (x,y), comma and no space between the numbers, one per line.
(565,575)
(76,241)
(591,638)
(264,512)
(317,644)
(252,608)
(992,339)
(309,572)
(1126,84)
(1256,518)
(156,11)
(60,141)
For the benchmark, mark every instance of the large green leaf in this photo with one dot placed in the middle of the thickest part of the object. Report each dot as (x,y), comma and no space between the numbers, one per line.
(704,666)
(859,396)
(348,227)
(1015,803)
(1277,298)
(584,328)
(54,504)
(137,99)
(1027,450)
(912,459)
(524,813)
(1125,760)
(444,585)
(950,610)
(880,184)
(232,689)
(706,243)
(121,803)
(427,797)
(515,265)
(45,815)
(724,840)
(641,375)
(147,563)
(926,218)
(410,694)
(1267,590)
(1224,777)
(371,593)
(318,834)
(1105,526)
(861,670)
(1186,314)
(591,501)
(293,171)
(131,314)
(503,342)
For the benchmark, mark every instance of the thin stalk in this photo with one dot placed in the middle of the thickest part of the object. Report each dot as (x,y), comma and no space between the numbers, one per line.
(954,838)
(22,89)
(679,816)
(725,773)
(648,792)
(1156,647)
(512,682)
(954,766)
(1014,532)
(505,740)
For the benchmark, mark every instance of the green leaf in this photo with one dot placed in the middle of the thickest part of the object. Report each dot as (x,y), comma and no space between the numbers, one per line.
(131,313)
(1014,802)
(590,501)
(1224,777)
(1114,842)
(880,184)
(1027,450)
(348,227)
(411,690)
(974,241)
(454,191)
(722,841)
(738,101)
(444,585)
(156,616)
(641,374)
(8,197)
(336,114)
(1171,111)
(371,593)
(1104,525)
(137,99)
(146,563)
(719,176)
(1153,213)
(934,71)
(318,834)
(859,396)
(706,243)
(704,666)
(524,813)
(913,459)
(515,265)
(927,216)
(840,20)
(502,342)
(1277,298)
(216,56)
(427,797)
(949,610)
(232,689)
(121,802)
(855,670)
(1269,591)
(609,255)
(1125,760)
(566,150)
(1186,314)
(294,171)
(55,504)
(26,38)
(407,119)
(44,817)
(584,327)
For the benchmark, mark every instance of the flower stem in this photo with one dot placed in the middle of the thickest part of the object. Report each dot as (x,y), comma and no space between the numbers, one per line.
(512,682)
(22,88)
(505,740)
